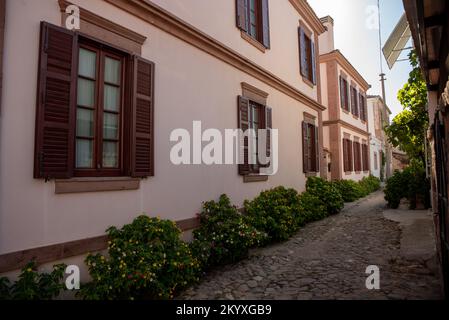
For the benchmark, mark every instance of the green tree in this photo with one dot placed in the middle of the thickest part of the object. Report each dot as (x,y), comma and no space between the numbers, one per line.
(407,130)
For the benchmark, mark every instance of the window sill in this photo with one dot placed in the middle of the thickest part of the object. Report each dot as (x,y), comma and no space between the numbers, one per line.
(345,111)
(84,185)
(308,82)
(254,178)
(355,117)
(310,174)
(253,41)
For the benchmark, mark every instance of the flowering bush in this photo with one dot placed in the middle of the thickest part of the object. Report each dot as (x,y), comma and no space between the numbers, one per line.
(33,285)
(350,190)
(224,236)
(327,192)
(276,212)
(146,260)
(311,208)
(370,184)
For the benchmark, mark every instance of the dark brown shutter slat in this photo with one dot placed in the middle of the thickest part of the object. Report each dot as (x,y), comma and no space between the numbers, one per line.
(242,14)
(265,24)
(56,99)
(142,127)
(305,148)
(345,155)
(351,155)
(243,123)
(302,52)
(317,150)
(313,63)
(342,93)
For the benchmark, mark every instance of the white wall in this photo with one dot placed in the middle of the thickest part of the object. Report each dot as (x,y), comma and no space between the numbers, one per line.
(190,85)
(218,19)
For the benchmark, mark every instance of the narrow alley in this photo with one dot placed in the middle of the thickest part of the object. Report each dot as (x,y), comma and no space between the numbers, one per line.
(328,260)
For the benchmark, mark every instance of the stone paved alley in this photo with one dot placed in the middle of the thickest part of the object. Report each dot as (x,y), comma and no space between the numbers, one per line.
(328,260)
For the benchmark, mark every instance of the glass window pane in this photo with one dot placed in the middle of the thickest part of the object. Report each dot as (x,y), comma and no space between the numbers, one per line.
(87,63)
(112,71)
(84,153)
(86,92)
(84,123)
(111,98)
(255,115)
(110,126)
(110,154)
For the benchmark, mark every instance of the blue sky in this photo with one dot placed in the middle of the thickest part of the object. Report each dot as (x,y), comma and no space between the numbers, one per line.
(360,44)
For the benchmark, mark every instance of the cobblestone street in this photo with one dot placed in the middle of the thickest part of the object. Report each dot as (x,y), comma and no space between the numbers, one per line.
(327,260)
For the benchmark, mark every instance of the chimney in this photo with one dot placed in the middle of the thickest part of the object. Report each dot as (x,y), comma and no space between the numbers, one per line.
(326,39)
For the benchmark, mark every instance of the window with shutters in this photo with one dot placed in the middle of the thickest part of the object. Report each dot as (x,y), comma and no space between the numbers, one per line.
(94,111)
(376,166)
(254,116)
(253,19)
(310,147)
(362,104)
(344,94)
(348,155)
(357,157)
(365,157)
(99,112)
(307,58)
(354,102)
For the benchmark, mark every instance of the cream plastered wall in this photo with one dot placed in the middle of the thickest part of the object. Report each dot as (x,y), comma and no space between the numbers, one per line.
(347,116)
(371,116)
(353,176)
(324,91)
(326,40)
(189,85)
(376,147)
(218,19)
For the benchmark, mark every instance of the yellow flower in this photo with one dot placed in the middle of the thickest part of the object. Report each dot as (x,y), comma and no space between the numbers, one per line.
(29,270)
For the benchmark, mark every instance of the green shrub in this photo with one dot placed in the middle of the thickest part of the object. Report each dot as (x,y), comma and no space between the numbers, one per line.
(327,192)
(395,190)
(311,208)
(411,184)
(224,236)
(146,260)
(370,184)
(418,186)
(275,212)
(32,285)
(350,190)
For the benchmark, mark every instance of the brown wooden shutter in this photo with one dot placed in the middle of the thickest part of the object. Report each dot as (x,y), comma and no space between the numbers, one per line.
(242,14)
(313,63)
(342,93)
(142,124)
(56,99)
(305,148)
(359,99)
(347,100)
(243,123)
(302,53)
(351,91)
(265,24)
(351,155)
(317,149)
(346,155)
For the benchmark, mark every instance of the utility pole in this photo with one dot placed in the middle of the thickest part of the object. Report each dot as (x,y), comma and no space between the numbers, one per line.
(382,80)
